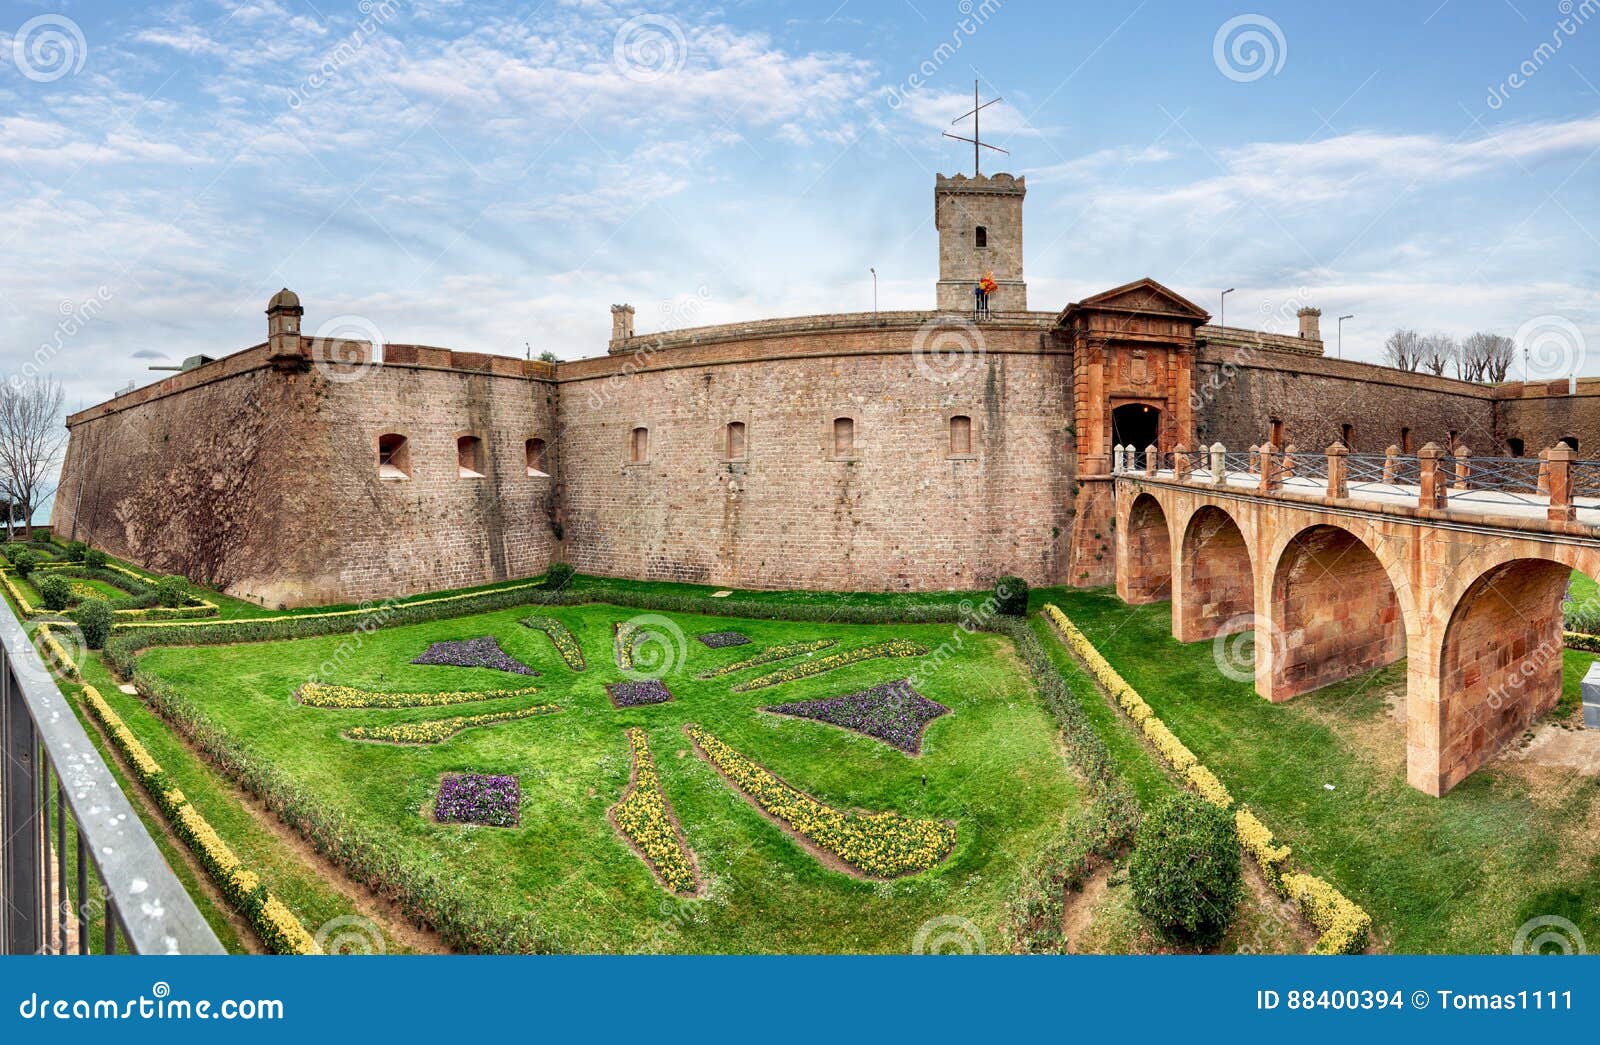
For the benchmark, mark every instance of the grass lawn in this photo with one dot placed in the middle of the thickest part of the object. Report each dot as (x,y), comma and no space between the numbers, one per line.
(1454,874)
(993,767)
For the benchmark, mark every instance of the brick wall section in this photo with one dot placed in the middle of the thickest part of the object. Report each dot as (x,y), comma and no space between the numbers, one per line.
(1145,573)
(1217,590)
(1541,413)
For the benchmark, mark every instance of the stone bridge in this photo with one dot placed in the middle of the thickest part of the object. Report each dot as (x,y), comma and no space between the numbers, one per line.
(1342,563)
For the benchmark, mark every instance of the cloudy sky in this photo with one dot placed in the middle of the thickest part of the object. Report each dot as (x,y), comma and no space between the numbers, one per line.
(492,176)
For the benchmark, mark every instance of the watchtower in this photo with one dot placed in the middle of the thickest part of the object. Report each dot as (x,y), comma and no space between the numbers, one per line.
(980,232)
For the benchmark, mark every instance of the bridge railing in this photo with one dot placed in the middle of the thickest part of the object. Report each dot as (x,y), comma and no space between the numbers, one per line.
(78,872)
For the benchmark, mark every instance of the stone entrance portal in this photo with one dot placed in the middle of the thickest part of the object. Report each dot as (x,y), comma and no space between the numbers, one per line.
(1137,425)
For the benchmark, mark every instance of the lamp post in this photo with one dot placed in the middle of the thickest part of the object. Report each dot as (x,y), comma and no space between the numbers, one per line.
(1340,327)
(1222,307)
(874,272)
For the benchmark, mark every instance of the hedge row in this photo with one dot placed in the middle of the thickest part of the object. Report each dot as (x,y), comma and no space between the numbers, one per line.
(1581,641)
(55,655)
(1343,925)
(273,922)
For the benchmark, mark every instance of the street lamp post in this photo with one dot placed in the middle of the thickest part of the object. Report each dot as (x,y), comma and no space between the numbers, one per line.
(874,272)
(1340,327)
(1222,307)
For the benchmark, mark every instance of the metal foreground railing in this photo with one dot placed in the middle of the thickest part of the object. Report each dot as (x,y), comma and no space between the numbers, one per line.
(78,872)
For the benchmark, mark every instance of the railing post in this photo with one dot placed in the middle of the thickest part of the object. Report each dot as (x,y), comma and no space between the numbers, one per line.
(1152,459)
(1286,470)
(1269,469)
(1255,455)
(1180,462)
(1338,471)
(1219,463)
(1544,471)
(1391,458)
(1463,468)
(1435,492)
(20,928)
(1561,506)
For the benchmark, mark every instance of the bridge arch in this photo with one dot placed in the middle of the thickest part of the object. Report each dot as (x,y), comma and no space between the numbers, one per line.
(1214,590)
(1144,555)
(1332,611)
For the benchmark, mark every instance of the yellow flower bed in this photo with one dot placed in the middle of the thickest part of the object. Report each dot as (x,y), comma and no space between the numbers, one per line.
(808,668)
(438,730)
(1258,841)
(882,845)
(277,926)
(1208,786)
(561,637)
(319,695)
(768,655)
(52,650)
(16,594)
(1345,927)
(646,818)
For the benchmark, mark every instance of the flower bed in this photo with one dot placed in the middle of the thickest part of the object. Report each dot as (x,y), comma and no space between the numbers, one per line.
(561,637)
(437,731)
(636,694)
(274,923)
(481,652)
(808,668)
(55,655)
(645,818)
(879,845)
(894,713)
(724,639)
(320,695)
(477,798)
(770,655)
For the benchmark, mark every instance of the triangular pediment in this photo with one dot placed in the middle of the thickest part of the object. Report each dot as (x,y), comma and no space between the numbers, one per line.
(1143,295)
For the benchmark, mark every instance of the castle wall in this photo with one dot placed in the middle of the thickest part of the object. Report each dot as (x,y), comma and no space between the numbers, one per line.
(1239,391)
(900,513)
(1541,414)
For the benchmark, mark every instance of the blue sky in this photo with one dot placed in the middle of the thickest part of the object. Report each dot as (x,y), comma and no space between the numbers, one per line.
(486,176)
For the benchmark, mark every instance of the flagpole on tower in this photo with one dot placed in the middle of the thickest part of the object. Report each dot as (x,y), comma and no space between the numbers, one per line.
(978,144)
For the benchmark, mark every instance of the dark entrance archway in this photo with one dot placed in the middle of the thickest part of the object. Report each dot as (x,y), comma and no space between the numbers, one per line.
(1137,425)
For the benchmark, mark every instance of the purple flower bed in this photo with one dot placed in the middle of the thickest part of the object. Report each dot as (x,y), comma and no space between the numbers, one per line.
(893,713)
(721,639)
(633,694)
(476,798)
(482,652)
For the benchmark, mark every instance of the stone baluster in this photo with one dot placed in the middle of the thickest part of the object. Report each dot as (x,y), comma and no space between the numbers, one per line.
(1255,455)
(1391,460)
(1180,463)
(1544,471)
(1338,471)
(1463,466)
(1152,460)
(1286,469)
(1269,468)
(1435,483)
(1561,506)
(1219,463)
(1116,459)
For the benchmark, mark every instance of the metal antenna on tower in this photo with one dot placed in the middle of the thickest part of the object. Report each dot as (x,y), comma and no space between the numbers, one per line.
(976,139)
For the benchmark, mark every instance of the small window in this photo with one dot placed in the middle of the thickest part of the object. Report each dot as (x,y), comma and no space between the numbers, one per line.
(733,441)
(961,434)
(394,457)
(639,446)
(1572,441)
(534,448)
(1516,447)
(844,437)
(1345,432)
(469,457)
(983,236)
(1277,433)
(1405,440)
(1454,441)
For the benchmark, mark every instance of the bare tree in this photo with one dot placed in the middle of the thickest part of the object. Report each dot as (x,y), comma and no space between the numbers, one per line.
(1403,349)
(1436,352)
(1488,357)
(32,437)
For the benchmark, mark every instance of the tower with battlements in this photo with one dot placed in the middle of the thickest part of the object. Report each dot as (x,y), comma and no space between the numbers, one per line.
(980,232)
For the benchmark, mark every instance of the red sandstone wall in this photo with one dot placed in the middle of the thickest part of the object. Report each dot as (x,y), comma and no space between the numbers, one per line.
(903,515)
(1540,414)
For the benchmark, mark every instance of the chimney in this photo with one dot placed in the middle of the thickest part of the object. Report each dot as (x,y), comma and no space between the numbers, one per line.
(1311,324)
(283,328)
(621,324)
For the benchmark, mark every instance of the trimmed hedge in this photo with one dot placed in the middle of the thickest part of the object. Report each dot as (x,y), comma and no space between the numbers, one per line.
(1185,874)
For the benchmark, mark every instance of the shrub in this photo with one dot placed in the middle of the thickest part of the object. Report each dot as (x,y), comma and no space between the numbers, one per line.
(1186,875)
(558,576)
(172,590)
(94,619)
(54,592)
(10,550)
(1011,596)
(24,560)
(76,550)
(95,559)
(1345,926)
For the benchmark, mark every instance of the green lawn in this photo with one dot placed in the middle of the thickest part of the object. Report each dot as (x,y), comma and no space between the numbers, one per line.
(1452,874)
(993,767)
